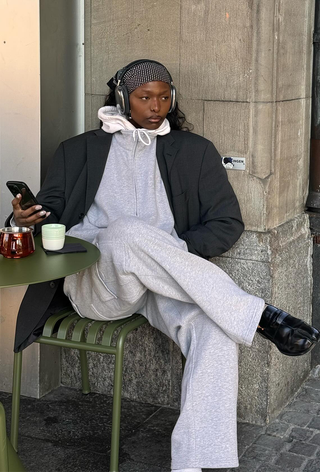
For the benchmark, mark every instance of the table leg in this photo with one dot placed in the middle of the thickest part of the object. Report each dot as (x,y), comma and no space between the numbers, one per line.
(3,441)
(16,387)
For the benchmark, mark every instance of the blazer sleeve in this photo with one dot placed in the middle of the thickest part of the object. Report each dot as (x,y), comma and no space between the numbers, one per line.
(52,193)
(220,218)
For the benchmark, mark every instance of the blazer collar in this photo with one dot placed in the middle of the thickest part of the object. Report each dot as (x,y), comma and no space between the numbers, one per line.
(100,132)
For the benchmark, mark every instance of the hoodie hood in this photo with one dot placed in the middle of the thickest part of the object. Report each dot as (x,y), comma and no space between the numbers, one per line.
(113,121)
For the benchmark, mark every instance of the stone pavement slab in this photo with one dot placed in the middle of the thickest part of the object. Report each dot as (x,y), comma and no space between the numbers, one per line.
(70,432)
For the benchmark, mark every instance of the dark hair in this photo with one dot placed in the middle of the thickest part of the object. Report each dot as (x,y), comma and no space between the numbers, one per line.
(176,118)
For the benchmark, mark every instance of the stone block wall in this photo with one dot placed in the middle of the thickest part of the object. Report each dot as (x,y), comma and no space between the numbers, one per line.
(243,73)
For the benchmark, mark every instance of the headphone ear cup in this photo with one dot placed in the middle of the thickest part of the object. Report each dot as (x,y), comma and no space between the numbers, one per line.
(122,99)
(119,99)
(126,100)
(173,98)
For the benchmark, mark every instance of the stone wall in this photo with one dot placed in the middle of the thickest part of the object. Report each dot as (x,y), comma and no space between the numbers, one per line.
(243,72)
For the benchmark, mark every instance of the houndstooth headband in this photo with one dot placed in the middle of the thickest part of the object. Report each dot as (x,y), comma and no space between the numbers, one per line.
(145,72)
(141,73)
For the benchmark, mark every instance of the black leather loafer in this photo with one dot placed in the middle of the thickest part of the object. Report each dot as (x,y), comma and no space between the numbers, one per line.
(292,336)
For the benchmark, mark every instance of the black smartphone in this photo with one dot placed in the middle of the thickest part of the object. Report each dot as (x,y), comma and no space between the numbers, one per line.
(28,199)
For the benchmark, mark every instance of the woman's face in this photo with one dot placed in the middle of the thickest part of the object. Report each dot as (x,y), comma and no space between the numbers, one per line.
(150,104)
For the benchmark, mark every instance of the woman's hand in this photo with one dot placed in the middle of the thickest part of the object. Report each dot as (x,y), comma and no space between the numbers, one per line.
(25,217)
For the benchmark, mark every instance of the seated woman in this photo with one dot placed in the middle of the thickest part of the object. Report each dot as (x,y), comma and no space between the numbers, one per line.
(156,200)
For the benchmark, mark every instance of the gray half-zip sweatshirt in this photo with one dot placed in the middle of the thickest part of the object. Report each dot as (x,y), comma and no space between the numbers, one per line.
(131,186)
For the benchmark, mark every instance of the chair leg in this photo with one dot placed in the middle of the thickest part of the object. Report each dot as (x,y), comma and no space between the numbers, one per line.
(16,388)
(14,462)
(84,372)
(116,409)
(4,467)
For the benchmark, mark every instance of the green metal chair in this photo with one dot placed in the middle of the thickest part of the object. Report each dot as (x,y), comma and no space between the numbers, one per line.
(84,337)
(9,461)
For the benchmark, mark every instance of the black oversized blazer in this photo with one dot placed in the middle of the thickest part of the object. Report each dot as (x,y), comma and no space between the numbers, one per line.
(204,206)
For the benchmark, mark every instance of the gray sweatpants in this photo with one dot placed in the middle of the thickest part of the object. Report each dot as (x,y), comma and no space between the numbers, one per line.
(197,305)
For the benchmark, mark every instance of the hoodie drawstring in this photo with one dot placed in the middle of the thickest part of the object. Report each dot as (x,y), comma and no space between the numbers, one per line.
(140,133)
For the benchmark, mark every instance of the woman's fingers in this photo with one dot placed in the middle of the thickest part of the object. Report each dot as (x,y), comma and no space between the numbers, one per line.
(16,202)
(29,217)
(23,220)
(38,219)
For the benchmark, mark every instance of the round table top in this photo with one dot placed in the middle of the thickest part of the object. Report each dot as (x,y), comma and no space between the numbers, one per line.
(40,267)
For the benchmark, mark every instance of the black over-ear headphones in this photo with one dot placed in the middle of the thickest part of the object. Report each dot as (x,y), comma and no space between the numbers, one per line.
(121,91)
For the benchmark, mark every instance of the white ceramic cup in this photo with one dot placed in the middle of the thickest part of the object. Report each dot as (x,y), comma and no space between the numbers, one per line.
(53,236)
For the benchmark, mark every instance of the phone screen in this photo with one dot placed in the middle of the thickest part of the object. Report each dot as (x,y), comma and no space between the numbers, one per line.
(27,199)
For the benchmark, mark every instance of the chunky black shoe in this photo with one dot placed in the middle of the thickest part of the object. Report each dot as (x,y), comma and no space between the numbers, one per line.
(293,337)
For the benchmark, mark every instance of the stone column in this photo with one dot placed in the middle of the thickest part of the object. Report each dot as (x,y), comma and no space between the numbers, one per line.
(257,106)
(243,72)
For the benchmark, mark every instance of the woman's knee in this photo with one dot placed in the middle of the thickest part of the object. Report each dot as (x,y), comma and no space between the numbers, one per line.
(125,227)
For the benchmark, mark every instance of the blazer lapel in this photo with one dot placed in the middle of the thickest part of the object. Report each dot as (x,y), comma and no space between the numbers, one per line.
(97,152)
(166,153)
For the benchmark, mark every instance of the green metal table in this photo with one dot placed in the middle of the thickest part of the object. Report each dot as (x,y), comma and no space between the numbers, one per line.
(38,267)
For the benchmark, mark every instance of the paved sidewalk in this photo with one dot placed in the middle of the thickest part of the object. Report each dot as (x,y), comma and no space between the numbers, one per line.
(66,431)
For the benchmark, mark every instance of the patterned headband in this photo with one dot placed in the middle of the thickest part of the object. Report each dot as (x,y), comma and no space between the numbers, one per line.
(145,72)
